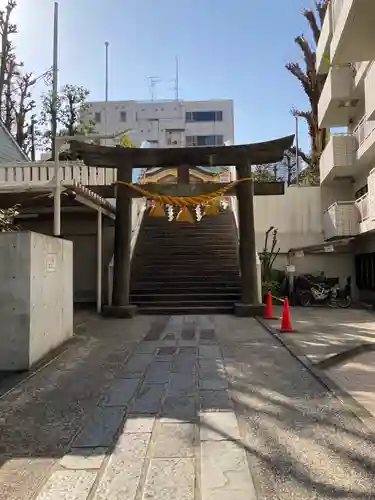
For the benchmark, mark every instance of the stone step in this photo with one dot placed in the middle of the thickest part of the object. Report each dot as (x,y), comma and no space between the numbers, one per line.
(185,309)
(185,303)
(187,297)
(187,256)
(204,288)
(190,265)
(188,282)
(183,277)
(192,278)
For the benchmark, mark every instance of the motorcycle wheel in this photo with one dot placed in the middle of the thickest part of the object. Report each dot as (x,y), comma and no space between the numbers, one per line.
(306,299)
(344,302)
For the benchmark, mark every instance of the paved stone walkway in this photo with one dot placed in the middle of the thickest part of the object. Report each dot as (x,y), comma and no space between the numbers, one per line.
(185,407)
(330,340)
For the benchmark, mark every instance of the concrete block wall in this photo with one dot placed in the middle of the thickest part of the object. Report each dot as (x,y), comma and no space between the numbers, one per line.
(81,229)
(36,297)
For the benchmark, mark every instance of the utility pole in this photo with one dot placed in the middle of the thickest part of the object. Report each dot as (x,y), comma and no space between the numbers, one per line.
(55,144)
(54,96)
(106,89)
(297,151)
(32,133)
(177,81)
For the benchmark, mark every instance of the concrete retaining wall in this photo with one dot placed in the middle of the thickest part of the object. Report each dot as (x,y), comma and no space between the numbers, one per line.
(36,297)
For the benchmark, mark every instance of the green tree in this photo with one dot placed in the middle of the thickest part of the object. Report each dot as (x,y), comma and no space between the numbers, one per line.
(312,84)
(126,142)
(70,104)
(263,173)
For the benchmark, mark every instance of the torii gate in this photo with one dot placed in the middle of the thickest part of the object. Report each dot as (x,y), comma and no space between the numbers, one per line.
(243,156)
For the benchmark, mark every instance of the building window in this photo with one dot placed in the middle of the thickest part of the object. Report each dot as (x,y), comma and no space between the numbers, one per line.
(204,140)
(98,117)
(122,116)
(204,116)
(361,192)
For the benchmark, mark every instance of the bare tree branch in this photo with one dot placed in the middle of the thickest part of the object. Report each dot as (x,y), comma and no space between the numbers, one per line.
(312,85)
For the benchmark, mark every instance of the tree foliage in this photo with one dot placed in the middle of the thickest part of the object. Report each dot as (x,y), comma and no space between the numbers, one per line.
(7,219)
(70,104)
(312,84)
(282,171)
(262,173)
(16,84)
(126,142)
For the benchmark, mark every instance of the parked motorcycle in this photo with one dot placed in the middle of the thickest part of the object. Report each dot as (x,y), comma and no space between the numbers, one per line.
(323,294)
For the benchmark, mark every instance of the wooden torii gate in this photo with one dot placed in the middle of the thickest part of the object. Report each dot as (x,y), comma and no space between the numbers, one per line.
(243,156)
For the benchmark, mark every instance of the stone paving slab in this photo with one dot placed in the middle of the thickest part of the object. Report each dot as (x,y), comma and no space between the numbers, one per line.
(21,478)
(173,440)
(170,479)
(68,485)
(124,469)
(225,472)
(227,415)
(121,392)
(219,426)
(84,458)
(101,428)
(148,399)
(139,424)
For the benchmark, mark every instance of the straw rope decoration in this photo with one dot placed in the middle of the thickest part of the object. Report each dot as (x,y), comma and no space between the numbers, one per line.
(184,201)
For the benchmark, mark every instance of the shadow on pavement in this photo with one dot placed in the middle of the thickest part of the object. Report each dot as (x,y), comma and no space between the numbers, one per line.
(188,388)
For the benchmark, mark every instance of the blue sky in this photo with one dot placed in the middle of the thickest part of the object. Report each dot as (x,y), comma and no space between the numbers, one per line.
(234,49)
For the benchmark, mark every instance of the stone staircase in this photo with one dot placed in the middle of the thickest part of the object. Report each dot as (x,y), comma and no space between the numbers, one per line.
(182,268)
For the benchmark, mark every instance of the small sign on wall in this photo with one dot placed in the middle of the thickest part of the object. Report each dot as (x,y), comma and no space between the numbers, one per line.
(329,249)
(51,262)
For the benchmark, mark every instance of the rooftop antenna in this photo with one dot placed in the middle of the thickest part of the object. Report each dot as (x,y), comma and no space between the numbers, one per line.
(152,82)
(177,81)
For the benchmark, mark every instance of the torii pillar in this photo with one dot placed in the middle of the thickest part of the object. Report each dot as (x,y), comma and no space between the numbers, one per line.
(121,307)
(249,305)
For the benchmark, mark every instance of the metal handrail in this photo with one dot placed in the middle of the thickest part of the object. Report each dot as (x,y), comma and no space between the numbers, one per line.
(362,205)
(363,129)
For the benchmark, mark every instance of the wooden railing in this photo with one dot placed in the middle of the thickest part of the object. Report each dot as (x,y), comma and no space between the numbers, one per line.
(43,172)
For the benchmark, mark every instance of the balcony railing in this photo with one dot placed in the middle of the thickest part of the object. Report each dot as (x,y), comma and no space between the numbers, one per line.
(337,6)
(364,128)
(362,205)
(338,157)
(340,220)
(43,173)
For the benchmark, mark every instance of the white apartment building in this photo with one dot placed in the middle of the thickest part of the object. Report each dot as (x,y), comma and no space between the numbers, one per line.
(346,53)
(168,123)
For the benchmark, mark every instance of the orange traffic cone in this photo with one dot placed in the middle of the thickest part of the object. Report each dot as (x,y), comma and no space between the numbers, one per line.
(286,320)
(269,307)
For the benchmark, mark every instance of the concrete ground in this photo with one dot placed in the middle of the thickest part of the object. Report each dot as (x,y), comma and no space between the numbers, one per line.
(341,343)
(181,407)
